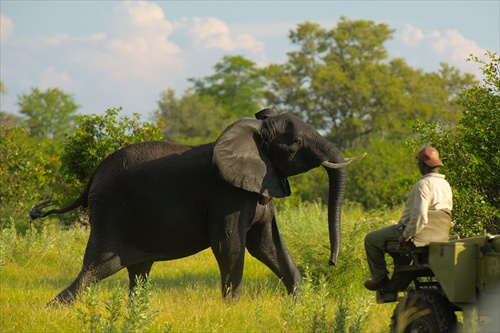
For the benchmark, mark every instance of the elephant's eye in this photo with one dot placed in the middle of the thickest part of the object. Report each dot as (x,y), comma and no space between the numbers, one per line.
(298,144)
(295,146)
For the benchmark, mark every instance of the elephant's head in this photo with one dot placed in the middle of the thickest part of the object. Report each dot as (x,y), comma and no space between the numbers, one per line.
(259,154)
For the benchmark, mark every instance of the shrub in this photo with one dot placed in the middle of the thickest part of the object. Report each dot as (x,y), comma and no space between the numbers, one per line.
(25,174)
(96,136)
(315,311)
(118,314)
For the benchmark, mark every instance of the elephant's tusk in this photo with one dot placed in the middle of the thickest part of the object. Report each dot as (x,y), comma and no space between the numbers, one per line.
(346,162)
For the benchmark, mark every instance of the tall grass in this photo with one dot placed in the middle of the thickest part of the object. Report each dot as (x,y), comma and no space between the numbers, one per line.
(184,295)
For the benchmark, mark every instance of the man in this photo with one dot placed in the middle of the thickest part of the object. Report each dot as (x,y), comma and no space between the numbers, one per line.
(426,217)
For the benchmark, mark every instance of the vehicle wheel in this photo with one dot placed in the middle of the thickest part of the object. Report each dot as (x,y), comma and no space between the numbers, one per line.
(423,312)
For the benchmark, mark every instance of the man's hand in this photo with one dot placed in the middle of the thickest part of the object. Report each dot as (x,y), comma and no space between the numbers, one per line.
(403,240)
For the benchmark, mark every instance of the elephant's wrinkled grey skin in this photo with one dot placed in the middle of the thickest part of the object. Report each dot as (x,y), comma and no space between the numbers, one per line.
(156,201)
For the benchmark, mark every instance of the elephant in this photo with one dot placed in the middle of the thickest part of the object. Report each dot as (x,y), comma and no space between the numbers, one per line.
(158,201)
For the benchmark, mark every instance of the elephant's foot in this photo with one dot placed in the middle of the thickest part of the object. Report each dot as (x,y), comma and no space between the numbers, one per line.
(231,293)
(63,298)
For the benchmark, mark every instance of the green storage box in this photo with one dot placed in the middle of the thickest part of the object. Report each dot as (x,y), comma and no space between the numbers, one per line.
(454,265)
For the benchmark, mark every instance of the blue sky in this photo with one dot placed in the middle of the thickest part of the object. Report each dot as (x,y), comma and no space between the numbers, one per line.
(125,53)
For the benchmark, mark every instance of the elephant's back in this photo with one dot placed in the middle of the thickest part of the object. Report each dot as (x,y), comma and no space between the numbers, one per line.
(137,154)
(114,169)
(146,165)
(148,151)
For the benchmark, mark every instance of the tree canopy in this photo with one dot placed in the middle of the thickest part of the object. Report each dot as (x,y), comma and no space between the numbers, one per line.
(193,118)
(342,82)
(237,86)
(49,113)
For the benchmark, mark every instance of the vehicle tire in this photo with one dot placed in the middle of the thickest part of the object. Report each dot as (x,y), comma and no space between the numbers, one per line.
(423,312)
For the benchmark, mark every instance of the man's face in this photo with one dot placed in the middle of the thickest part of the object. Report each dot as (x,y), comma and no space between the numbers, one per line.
(421,167)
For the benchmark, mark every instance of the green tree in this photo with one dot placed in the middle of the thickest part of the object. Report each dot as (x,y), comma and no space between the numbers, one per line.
(49,113)
(471,153)
(237,86)
(342,82)
(193,118)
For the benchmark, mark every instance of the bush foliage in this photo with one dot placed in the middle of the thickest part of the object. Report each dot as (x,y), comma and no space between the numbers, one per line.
(25,173)
(96,136)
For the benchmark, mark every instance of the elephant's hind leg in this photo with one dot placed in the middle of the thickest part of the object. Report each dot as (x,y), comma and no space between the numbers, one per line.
(97,265)
(138,272)
(264,243)
(88,274)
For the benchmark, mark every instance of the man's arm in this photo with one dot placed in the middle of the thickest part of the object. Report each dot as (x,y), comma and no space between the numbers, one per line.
(418,213)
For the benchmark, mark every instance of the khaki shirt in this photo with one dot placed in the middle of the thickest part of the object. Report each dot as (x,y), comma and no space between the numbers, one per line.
(427,214)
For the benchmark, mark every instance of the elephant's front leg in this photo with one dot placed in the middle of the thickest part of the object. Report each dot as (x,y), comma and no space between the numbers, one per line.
(228,246)
(264,242)
(231,271)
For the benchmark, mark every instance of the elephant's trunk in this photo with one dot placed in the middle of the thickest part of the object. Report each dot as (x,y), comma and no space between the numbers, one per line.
(337,180)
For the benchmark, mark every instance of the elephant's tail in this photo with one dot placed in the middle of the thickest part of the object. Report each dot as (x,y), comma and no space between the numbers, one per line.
(37,211)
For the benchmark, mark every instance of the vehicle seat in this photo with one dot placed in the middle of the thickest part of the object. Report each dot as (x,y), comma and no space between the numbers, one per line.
(407,254)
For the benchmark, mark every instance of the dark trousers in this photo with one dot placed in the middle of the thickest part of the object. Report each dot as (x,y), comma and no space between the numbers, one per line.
(374,246)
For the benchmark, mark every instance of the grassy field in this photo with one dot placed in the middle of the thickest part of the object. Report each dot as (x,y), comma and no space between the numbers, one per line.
(184,295)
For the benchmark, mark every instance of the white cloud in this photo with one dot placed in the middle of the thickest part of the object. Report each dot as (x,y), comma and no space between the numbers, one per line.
(456,45)
(246,41)
(55,40)
(51,78)
(142,23)
(412,36)
(450,47)
(6,28)
(137,45)
(96,37)
(212,33)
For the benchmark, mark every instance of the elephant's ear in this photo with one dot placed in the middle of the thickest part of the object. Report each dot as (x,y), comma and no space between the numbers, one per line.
(243,163)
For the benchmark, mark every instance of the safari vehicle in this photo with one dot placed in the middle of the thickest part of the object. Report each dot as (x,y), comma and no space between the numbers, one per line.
(431,283)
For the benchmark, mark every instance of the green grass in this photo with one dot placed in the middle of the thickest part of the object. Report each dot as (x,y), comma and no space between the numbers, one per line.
(184,295)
